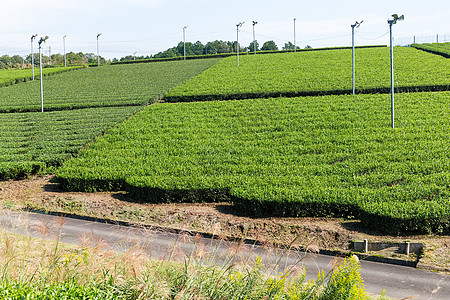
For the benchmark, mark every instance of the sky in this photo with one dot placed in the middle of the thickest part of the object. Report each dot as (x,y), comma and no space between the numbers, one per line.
(147,27)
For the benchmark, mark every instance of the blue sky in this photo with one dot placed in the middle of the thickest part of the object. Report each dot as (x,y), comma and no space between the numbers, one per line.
(151,26)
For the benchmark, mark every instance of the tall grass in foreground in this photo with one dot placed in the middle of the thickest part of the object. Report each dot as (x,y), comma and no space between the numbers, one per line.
(38,269)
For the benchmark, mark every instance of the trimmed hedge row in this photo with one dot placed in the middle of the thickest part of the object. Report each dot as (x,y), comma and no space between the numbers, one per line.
(315,73)
(330,156)
(442,49)
(242,96)
(18,170)
(48,72)
(222,55)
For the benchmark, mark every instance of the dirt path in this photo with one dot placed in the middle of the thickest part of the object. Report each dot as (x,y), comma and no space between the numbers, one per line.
(216,218)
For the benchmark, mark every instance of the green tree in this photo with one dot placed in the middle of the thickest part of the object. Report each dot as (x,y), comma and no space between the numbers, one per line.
(290,46)
(269,45)
(251,47)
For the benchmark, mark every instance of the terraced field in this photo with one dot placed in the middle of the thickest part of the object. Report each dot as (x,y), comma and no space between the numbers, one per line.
(436,48)
(308,156)
(327,156)
(315,73)
(120,85)
(8,77)
(79,106)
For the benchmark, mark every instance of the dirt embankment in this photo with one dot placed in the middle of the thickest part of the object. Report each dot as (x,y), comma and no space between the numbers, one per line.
(220,219)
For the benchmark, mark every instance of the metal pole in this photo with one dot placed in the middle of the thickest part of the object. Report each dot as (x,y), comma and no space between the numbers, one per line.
(98,55)
(254,38)
(32,53)
(42,40)
(237,43)
(353,59)
(40,75)
(49,55)
(184,42)
(295,48)
(392,73)
(64,46)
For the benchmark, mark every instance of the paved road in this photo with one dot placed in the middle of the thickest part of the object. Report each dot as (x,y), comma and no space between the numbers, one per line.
(399,282)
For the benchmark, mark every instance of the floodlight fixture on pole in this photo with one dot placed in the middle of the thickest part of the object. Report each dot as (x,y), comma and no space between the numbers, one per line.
(295,48)
(32,54)
(237,40)
(64,47)
(98,55)
(42,40)
(184,42)
(356,25)
(254,38)
(394,20)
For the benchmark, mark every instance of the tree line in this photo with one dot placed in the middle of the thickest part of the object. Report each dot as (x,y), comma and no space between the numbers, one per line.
(72,58)
(215,47)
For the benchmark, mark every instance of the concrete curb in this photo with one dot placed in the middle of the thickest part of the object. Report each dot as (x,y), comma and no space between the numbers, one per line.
(361,256)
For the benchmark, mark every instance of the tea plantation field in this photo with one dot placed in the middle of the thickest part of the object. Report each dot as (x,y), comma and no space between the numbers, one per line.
(79,106)
(8,77)
(310,156)
(316,73)
(120,85)
(436,48)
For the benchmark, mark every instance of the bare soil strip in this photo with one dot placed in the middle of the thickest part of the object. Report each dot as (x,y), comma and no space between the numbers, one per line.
(220,219)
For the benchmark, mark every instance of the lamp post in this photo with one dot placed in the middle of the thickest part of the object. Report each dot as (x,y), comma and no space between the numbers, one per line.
(356,25)
(32,54)
(254,38)
(98,55)
(295,48)
(237,40)
(184,42)
(391,22)
(64,47)
(42,40)
(134,56)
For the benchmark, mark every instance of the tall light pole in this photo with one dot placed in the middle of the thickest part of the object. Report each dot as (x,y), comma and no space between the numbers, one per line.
(64,47)
(237,40)
(394,20)
(98,55)
(356,25)
(134,55)
(295,48)
(184,42)
(254,38)
(32,54)
(42,40)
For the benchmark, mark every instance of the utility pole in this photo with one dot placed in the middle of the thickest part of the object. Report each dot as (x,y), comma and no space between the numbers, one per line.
(237,40)
(49,55)
(254,38)
(184,42)
(356,25)
(391,22)
(32,53)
